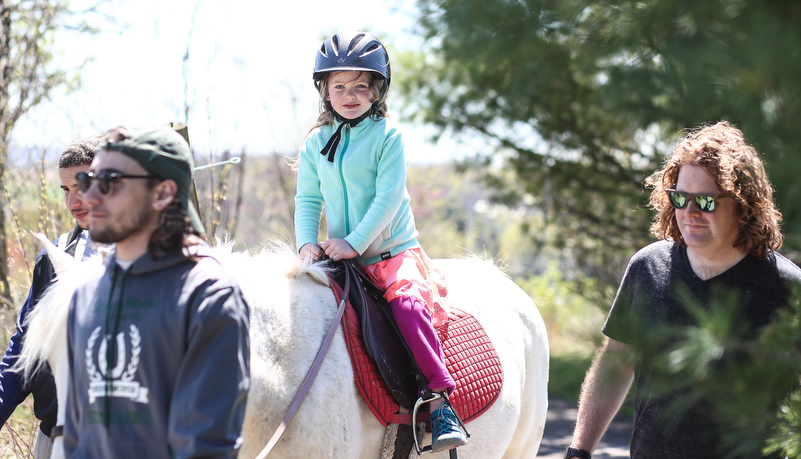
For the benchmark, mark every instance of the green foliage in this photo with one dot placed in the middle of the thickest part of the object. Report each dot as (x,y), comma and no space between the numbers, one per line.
(780,347)
(35,203)
(787,435)
(28,29)
(20,433)
(580,99)
(573,322)
(442,202)
(455,216)
(748,379)
(250,203)
(566,374)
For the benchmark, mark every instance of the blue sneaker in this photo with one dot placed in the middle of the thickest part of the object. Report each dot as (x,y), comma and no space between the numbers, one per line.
(445,430)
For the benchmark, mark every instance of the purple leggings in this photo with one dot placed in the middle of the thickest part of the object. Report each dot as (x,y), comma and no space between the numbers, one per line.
(415,326)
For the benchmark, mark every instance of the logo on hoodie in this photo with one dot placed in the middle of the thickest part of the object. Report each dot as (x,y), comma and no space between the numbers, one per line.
(117,381)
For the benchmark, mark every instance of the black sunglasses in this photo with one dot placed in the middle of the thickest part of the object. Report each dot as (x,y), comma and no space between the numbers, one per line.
(105,180)
(705,202)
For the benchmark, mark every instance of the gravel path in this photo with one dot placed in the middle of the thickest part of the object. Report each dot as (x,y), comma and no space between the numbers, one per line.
(559,430)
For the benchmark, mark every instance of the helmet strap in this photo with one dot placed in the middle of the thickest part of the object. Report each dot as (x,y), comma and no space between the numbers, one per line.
(374,108)
(330,147)
(351,122)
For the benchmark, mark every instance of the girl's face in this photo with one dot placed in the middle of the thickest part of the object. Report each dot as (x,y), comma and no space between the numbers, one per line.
(349,93)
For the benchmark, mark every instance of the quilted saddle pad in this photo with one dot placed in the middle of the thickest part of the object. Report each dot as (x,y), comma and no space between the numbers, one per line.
(469,355)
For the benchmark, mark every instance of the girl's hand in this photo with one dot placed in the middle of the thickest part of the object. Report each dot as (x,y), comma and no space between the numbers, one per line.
(339,249)
(311,252)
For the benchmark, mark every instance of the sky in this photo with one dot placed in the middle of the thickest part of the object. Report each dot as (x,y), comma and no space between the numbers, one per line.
(248,73)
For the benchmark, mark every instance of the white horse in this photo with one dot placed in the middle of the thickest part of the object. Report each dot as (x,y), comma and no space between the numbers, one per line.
(292,307)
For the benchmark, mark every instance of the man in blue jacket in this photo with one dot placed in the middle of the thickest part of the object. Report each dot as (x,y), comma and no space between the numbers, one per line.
(75,158)
(158,345)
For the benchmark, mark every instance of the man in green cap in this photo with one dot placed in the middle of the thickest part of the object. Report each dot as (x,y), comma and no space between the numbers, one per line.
(158,336)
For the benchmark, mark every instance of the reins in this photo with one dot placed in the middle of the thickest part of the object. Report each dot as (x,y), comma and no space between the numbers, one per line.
(315,368)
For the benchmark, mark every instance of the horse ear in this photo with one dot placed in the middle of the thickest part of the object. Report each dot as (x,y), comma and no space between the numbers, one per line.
(61,260)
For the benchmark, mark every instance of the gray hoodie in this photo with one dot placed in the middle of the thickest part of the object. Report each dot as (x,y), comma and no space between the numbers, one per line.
(167,340)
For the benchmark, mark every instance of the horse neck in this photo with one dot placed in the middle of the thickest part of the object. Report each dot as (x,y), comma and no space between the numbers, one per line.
(46,336)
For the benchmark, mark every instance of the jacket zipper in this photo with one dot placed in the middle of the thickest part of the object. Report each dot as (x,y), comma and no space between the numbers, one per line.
(342,180)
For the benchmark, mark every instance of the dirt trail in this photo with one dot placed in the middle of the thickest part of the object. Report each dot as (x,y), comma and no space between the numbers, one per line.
(559,430)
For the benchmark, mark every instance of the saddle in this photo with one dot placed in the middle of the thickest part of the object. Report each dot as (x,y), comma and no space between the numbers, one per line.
(381,340)
(387,377)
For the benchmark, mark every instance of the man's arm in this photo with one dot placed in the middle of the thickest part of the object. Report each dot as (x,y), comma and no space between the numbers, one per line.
(208,401)
(13,389)
(603,392)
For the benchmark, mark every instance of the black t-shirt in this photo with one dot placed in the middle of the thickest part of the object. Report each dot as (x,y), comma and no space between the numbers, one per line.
(653,306)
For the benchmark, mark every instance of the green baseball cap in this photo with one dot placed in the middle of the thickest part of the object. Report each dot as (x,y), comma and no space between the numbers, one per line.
(164,153)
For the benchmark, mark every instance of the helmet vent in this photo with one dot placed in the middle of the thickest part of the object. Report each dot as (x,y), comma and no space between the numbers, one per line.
(374,47)
(355,43)
(335,41)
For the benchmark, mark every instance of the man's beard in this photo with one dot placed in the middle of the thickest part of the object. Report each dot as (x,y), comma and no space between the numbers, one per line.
(130,224)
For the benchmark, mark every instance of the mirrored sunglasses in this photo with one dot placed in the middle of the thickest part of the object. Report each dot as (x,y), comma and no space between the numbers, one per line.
(105,180)
(705,202)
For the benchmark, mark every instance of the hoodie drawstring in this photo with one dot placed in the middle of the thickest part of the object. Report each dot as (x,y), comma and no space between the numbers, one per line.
(111,349)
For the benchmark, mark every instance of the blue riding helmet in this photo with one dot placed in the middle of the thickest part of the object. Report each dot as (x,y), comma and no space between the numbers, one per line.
(359,51)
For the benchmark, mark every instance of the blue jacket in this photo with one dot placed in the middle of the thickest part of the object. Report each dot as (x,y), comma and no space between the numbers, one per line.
(363,190)
(13,389)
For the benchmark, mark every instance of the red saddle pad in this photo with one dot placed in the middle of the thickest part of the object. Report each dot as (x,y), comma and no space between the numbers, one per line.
(469,355)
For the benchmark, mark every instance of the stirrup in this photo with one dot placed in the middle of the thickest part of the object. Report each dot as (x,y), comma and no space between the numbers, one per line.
(422,401)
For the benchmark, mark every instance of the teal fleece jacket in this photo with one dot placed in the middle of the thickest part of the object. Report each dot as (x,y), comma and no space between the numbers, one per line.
(363,190)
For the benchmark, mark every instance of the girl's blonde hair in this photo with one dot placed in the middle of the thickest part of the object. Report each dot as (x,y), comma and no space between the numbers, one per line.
(739,174)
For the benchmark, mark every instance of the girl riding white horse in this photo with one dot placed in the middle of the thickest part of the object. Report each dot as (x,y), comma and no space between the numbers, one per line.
(291,309)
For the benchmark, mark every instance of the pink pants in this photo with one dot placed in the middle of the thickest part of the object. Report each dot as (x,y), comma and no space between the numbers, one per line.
(414,290)
(415,326)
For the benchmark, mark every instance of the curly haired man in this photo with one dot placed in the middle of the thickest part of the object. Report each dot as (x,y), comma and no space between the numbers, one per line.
(719,231)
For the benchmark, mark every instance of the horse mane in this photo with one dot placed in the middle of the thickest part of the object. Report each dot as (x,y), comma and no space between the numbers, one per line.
(279,256)
(37,341)
(483,262)
(297,267)
(46,323)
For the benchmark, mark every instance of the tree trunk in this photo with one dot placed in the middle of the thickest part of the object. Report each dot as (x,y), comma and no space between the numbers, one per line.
(5,289)
(5,76)
(24,77)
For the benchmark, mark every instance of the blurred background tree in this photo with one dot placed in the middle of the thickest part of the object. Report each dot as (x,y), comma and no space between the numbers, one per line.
(581,100)
(28,76)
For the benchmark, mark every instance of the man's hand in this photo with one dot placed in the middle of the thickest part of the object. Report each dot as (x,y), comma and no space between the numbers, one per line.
(339,249)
